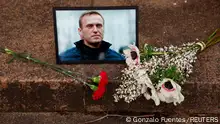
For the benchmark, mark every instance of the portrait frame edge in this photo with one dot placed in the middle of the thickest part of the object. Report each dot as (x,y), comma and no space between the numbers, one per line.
(54,9)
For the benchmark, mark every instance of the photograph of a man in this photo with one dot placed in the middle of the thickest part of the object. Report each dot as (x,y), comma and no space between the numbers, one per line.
(94,34)
(91,46)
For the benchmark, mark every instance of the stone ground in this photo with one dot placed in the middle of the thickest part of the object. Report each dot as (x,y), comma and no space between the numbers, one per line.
(98,118)
(31,94)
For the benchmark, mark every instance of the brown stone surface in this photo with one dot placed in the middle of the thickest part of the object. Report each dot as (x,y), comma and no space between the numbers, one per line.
(27,26)
(81,118)
(45,118)
(42,97)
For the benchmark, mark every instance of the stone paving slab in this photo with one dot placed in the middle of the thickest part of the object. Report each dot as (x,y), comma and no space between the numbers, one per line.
(28,26)
(39,97)
(89,118)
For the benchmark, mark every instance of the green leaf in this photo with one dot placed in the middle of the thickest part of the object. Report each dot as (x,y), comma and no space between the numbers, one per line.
(96,79)
(213,34)
(93,87)
(8,51)
(173,73)
(169,72)
(147,53)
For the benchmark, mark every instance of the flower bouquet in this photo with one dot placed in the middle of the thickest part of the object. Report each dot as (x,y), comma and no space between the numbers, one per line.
(157,73)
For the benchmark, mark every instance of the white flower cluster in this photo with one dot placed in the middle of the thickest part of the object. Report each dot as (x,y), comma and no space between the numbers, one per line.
(129,90)
(153,64)
(180,57)
(184,61)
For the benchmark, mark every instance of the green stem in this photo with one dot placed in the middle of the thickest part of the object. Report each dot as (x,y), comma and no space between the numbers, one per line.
(216,40)
(160,53)
(54,67)
(213,38)
(156,53)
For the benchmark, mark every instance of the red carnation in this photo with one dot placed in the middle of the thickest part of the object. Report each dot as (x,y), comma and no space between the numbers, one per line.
(98,93)
(101,87)
(104,79)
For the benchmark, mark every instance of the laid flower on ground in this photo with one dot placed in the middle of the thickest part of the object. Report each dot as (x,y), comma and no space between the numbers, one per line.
(169,91)
(148,89)
(132,55)
(98,93)
(102,81)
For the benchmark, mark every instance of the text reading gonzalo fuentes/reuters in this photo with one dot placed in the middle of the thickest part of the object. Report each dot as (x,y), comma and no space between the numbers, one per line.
(173,120)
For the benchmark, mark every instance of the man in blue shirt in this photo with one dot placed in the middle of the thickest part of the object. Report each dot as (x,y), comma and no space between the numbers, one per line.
(91,46)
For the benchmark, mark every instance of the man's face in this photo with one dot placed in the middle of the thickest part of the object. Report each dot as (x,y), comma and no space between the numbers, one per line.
(92,29)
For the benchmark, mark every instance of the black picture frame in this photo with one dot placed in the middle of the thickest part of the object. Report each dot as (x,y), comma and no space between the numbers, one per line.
(106,8)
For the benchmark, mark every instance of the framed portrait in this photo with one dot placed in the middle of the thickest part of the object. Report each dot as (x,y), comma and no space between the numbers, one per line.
(94,34)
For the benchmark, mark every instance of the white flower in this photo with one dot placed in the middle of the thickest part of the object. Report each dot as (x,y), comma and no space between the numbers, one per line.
(169,91)
(132,55)
(148,89)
